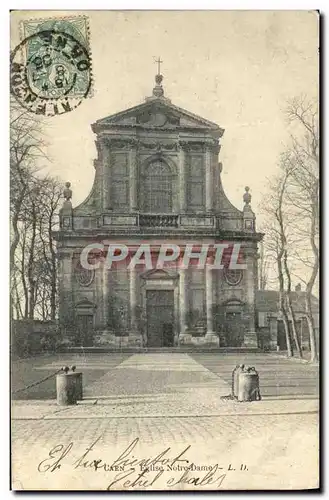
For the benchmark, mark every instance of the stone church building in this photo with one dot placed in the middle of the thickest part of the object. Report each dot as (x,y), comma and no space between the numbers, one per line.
(157,180)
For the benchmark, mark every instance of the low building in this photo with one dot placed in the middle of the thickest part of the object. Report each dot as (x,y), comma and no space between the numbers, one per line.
(271,330)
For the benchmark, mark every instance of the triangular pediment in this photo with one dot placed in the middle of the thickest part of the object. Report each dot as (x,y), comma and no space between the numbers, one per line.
(158,114)
(160,274)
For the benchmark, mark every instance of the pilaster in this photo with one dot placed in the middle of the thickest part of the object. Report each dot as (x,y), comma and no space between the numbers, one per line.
(105,174)
(66,312)
(133,178)
(210,336)
(184,337)
(250,256)
(100,299)
(135,337)
(209,178)
(105,298)
(182,180)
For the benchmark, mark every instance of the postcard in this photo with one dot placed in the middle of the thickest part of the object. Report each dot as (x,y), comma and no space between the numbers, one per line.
(164,258)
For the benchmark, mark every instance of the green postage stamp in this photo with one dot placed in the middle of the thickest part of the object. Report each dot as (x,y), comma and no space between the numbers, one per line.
(51,67)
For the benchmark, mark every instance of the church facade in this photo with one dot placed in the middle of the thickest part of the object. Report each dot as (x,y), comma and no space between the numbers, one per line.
(157,181)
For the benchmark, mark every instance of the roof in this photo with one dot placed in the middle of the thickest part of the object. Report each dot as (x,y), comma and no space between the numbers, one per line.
(267,301)
(128,117)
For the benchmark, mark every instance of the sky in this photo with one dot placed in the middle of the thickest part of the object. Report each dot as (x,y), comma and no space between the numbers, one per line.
(235,68)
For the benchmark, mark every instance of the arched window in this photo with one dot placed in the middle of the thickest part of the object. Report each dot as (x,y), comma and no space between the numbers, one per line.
(157,188)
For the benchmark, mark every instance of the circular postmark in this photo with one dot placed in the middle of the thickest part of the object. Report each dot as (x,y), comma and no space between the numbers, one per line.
(50,73)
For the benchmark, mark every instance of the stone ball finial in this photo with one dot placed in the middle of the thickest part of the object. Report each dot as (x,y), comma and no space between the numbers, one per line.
(158,91)
(247,196)
(67,191)
(158,79)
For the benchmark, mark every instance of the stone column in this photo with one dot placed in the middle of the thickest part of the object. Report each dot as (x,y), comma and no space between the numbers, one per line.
(133,299)
(103,165)
(66,270)
(210,335)
(250,256)
(182,181)
(184,337)
(133,178)
(105,302)
(66,306)
(209,178)
(99,300)
(135,336)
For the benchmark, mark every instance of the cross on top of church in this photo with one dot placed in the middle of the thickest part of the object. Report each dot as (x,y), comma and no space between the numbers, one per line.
(158,90)
(158,61)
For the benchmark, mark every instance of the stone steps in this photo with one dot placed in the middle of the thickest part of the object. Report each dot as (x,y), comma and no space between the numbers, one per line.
(133,350)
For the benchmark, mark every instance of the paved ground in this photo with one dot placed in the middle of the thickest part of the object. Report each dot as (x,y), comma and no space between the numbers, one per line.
(27,371)
(168,400)
(279,377)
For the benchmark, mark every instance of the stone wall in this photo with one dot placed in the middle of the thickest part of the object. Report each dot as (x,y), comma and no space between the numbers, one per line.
(30,337)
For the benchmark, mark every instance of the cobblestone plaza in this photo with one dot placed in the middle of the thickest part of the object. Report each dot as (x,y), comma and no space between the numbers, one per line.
(170,400)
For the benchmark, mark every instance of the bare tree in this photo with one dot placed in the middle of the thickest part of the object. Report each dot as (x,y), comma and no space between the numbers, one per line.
(293,214)
(50,201)
(302,162)
(34,205)
(27,148)
(263,265)
(275,243)
(36,259)
(282,255)
(289,299)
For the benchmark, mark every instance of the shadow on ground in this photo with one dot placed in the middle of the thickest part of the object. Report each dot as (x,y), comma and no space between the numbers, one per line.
(279,377)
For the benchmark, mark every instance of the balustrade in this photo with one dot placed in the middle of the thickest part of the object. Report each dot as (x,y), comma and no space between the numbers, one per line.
(158,220)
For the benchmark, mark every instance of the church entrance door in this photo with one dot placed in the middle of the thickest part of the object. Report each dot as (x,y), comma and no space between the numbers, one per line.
(160,318)
(85,330)
(234,329)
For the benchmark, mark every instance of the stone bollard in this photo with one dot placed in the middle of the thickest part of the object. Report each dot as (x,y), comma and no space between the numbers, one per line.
(78,384)
(235,380)
(248,385)
(68,387)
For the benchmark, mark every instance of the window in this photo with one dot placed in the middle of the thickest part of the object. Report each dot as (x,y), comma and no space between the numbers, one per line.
(195,183)
(120,193)
(119,182)
(157,184)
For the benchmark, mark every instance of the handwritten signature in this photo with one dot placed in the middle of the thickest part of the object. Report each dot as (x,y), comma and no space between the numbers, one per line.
(132,472)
